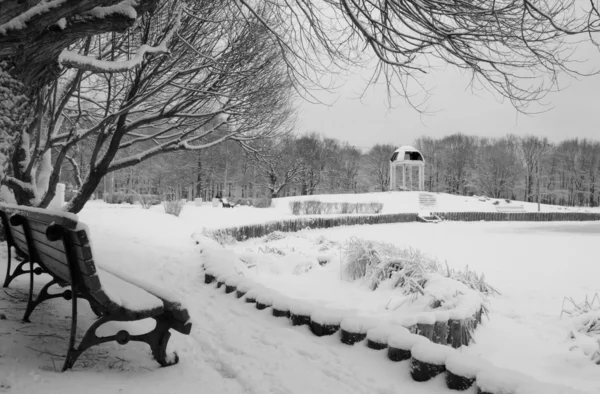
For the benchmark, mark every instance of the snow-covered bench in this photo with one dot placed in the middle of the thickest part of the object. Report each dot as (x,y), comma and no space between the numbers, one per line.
(510,208)
(59,245)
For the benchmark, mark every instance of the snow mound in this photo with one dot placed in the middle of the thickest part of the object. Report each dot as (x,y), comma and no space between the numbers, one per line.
(465,365)
(358,324)
(405,340)
(380,334)
(327,316)
(431,353)
(301,308)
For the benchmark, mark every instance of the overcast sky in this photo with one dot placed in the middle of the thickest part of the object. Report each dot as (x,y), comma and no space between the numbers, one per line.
(363,123)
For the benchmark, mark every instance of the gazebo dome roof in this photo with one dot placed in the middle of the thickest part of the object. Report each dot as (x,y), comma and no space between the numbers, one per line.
(407,153)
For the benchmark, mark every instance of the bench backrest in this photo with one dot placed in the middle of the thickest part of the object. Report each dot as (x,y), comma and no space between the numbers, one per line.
(52,240)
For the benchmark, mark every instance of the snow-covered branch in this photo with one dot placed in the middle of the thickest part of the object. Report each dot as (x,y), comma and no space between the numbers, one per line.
(74,60)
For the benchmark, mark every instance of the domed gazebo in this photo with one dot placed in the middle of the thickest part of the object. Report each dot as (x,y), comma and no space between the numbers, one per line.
(407,158)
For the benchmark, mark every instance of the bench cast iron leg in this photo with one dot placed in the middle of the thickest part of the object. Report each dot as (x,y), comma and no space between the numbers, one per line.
(43,296)
(7,278)
(157,339)
(18,270)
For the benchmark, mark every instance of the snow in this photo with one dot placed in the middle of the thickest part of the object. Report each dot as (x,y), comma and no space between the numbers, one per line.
(282,303)
(57,212)
(125,8)
(499,381)
(393,202)
(233,348)
(425,318)
(358,324)
(20,22)
(380,334)
(62,24)
(405,340)
(465,365)
(127,295)
(431,353)
(301,308)
(266,297)
(327,316)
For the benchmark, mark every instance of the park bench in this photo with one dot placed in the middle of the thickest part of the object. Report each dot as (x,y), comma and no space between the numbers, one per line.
(510,208)
(57,244)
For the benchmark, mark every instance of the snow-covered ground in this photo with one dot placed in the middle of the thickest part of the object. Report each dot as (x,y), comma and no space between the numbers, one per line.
(534,266)
(393,202)
(233,348)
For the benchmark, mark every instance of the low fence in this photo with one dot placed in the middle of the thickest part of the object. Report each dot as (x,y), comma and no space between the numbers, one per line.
(518,216)
(292,225)
(260,230)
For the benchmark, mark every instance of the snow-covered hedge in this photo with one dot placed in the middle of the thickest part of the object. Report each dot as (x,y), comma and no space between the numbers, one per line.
(243,233)
(316,207)
(260,230)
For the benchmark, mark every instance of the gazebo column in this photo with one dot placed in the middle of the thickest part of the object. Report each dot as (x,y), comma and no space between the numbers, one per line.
(410,177)
(422,176)
(403,177)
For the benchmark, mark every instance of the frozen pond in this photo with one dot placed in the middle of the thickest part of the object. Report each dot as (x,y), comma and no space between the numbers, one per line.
(534,265)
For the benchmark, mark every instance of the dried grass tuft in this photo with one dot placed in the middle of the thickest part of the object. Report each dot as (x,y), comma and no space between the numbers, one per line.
(406,267)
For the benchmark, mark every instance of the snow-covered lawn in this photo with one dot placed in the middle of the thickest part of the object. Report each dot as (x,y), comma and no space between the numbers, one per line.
(393,202)
(233,348)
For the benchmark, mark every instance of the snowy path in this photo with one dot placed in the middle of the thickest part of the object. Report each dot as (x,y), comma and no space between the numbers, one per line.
(233,347)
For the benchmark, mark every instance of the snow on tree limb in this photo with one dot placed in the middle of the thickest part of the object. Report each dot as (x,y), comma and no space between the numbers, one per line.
(126,8)
(20,21)
(74,60)
(88,63)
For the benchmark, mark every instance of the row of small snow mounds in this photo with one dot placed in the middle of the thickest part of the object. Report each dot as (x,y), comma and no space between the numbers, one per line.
(489,378)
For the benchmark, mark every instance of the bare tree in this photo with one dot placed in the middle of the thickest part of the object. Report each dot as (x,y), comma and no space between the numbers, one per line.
(377,165)
(459,157)
(497,166)
(531,149)
(223,80)
(278,164)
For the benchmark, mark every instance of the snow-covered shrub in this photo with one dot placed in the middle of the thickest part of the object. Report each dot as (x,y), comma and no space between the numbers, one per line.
(264,202)
(407,268)
(275,236)
(312,207)
(173,207)
(585,334)
(295,207)
(119,198)
(223,237)
(147,200)
(378,261)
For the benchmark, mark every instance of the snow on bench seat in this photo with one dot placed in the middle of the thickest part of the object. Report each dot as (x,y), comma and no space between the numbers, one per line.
(129,296)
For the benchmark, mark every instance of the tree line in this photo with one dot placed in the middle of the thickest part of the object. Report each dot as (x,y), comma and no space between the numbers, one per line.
(100,86)
(512,167)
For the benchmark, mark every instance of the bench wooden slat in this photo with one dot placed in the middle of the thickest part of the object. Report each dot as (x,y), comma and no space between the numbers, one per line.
(83,253)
